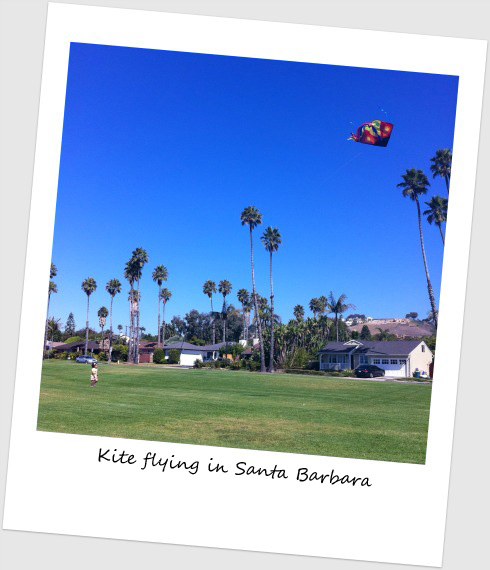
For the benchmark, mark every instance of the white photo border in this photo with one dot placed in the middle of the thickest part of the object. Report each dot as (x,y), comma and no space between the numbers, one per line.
(55,483)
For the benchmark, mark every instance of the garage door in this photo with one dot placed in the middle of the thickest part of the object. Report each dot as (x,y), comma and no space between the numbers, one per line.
(393,366)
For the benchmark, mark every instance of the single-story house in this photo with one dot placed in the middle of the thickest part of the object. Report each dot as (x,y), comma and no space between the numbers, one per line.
(189,353)
(79,347)
(51,345)
(397,357)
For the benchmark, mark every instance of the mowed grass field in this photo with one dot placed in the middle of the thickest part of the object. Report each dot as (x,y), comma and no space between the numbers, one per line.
(280,412)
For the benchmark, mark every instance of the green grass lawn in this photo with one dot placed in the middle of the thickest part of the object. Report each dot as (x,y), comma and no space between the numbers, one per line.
(280,412)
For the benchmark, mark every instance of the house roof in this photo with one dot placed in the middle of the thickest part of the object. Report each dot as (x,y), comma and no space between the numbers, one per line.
(91,345)
(381,347)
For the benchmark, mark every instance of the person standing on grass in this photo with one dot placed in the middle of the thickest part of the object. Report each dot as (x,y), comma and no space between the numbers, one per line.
(94,375)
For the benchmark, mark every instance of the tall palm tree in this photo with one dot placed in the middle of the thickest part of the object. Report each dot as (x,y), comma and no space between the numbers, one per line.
(165,297)
(102,314)
(120,329)
(160,274)
(113,287)
(252,218)
(299,313)
(208,289)
(130,273)
(53,270)
(415,184)
(224,287)
(337,307)
(271,238)
(51,289)
(437,213)
(243,297)
(441,165)
(140,257)
(88,287)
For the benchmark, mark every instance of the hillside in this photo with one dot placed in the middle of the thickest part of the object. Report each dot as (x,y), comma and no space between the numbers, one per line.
(402,328)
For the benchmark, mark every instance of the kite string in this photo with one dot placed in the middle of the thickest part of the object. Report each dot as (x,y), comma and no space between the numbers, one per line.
(336,171)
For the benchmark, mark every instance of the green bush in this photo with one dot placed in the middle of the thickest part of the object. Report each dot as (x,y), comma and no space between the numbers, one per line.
(300,359)
(120,352)
(101,357)
(159,356)
(198,363)
(235,366)
(73,339)
(174,356)
(253,366)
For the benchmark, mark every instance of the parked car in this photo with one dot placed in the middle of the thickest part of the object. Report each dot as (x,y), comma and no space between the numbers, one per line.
(368,371)
(85,359)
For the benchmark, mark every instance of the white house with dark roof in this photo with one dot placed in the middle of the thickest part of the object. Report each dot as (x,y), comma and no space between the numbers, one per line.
(398,358)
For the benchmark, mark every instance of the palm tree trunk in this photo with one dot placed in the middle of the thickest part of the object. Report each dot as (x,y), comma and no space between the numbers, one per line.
(224,319)
(138,332)
(86,325)
(271,354)
(212,321)
(442,235)
(429,284)
(110,334)
(446,178)
(163,326)
(256,308)
(46,327)
(159,337)
(337,326)
(244,321)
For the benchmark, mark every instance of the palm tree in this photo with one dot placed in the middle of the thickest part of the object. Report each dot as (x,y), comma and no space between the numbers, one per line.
(141,258)
(271,238)
(130,272)
(120,328)
(437,212)
(299,313)
(337,307)
(243,297)
(88,287)
(165,297)
(252,218)
(315,307)
(51,289)
(113,287)
(159,276)
(53,270)
(322,305)
(224,287)
(441,165)
(415,184)
(102,314)
(208,289)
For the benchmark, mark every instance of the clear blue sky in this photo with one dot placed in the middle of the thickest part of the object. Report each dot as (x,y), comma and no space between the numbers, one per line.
(163,150)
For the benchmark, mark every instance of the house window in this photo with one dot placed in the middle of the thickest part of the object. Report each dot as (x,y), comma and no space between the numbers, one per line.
(423,348)
(363,359)
(393,361)
(332,359)
(376,361)
(385,361)
(403,361)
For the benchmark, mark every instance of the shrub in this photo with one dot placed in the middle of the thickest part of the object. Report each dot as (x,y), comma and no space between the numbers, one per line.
(120,352)
(198,363)
(174,356)
(300,359)
(313,365)
(73,339)
(101,357)
(159,356)
(235,366)
(253,366)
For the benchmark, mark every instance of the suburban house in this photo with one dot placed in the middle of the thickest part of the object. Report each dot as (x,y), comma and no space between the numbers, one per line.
(398,357)
(79,347)
(189,353)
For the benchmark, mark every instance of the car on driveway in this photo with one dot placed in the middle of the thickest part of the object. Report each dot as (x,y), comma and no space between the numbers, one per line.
(368,371)
(85,359)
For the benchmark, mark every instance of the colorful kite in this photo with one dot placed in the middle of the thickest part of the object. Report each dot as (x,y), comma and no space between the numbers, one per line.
(376,133)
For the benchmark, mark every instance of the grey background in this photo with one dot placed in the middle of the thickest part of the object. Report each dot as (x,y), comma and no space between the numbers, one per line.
(22,27)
